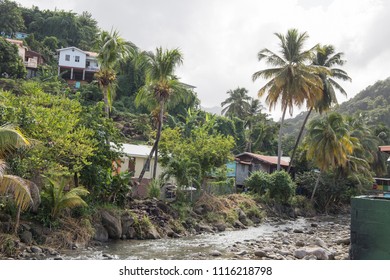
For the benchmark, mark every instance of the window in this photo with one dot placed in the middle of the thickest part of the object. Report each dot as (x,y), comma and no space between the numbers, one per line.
(67,57)
(77,58)
(147,167)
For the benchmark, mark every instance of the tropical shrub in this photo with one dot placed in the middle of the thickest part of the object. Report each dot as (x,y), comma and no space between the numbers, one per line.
(283,188)
(154,189)
(259,182)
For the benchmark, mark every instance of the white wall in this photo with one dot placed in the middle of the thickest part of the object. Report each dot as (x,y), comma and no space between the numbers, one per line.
(73,52)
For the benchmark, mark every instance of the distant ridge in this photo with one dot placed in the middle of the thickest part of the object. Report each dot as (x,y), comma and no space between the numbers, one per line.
(213,110)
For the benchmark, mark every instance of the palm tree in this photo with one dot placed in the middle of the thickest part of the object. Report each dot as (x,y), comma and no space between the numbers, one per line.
(329,144)
(10,139)
(161,87)
(252,115)
(325,57)
(291,80)
(112,50)
(59,199)
(237,104)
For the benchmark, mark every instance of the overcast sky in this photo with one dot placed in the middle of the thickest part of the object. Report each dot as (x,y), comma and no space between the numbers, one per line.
(220,39)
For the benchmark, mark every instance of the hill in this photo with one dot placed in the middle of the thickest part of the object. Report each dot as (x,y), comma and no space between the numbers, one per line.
(374,101)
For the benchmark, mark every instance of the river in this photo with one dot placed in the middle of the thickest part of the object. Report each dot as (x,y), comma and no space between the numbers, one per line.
(224,245)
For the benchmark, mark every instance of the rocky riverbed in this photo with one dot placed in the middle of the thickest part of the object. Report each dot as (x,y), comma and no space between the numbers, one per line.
(321,238)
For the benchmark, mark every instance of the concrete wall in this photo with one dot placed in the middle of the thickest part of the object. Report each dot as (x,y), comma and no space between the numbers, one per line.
(72,52)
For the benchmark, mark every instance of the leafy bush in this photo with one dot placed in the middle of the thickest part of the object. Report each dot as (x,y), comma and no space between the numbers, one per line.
(259,182)
(282,186)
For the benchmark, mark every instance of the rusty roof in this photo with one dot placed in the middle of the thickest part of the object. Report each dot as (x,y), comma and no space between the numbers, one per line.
(266,159)
(385,149)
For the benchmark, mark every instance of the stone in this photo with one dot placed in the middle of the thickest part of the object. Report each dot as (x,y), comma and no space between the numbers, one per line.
(300,253)
(127,222)
(300,243)
(260,254)
(298,230)
(314,225)
(320,254)
(215,253)
(343,241)
(152,233)
(320,242)
(242,253)
(101,233)
(26,237)
(112,224)
(220,227)
(203,228)
(35,249)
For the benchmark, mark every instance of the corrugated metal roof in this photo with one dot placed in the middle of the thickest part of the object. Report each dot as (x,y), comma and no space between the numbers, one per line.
(134,150)
(284,161)
(385,149)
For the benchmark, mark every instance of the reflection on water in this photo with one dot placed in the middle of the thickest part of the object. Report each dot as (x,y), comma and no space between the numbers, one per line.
(186,248)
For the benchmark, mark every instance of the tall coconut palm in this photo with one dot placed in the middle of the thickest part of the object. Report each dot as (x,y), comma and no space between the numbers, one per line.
(237,104)
(292,81)
(112,50)
(10,139)
(252,115)
(161,87)
(325,57)
(329,144)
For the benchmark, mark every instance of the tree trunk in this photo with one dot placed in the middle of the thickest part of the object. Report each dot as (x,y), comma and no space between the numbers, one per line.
(141,175)
(76,179)
(158,136)
(105,99)
(299,139)
(280,138)
(315,187)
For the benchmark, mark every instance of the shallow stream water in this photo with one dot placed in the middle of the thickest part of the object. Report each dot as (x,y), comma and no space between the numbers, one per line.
(185,248)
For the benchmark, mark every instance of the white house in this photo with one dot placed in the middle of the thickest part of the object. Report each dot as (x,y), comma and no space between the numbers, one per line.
(76,65)
(133,160)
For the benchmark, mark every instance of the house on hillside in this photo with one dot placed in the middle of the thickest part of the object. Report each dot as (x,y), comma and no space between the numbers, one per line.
(31,59)
(246,163)
(132,160)
(77,66)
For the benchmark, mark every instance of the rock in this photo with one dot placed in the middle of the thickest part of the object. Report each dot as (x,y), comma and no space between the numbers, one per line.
(260,254)
(101,233)
(173,234)
(58,258)
(152,233)
(343,241)
(300,253)
(297,230)
(203,228)
(242,253)
(320,254)
(107,256)
(215,253)
(220,227)
(26,237)
(112,224)
(35,249)
(314,225)
(320,242)
(127,222)
(238,224)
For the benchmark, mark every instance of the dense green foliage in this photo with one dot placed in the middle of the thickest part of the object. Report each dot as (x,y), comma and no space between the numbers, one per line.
(259,182)
(11,65)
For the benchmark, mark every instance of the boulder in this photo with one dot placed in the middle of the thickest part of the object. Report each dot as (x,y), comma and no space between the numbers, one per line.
(127,222)
(203,228)
(215,253)
(152,233)
(300,253)
(26,237)
(343,241)
(220,227)
(112,224)
(36,249)
(101,233)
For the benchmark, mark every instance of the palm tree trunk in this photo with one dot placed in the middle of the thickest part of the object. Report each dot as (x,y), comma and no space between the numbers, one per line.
(105,99)
(141,175)
(158,136)
(280,139)
(299,138)
(315,187)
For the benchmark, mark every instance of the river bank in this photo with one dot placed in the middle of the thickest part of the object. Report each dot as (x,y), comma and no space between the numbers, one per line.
(225,228)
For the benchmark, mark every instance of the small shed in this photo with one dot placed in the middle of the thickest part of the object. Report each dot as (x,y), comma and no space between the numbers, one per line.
(250,162)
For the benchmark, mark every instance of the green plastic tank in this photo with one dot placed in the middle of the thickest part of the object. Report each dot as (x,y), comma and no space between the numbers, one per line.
(370,228)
